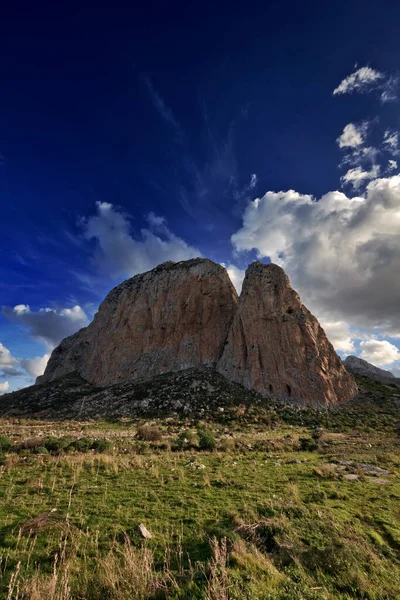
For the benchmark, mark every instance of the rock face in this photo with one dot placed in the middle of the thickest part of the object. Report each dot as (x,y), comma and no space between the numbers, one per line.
(175,317)
(187,315)
(275,345)
(358,366)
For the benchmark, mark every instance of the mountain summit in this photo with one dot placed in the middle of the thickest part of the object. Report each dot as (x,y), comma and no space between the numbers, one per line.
(187,314)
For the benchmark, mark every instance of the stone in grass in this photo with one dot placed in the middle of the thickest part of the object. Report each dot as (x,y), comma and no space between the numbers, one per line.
(351,476)
(144,532)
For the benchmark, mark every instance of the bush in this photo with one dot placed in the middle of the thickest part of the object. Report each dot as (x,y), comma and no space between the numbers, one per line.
(100,445)
(206,440)
(41,450)
(308,444)
(81,445)
(148,434)
(55,445)
(5,443)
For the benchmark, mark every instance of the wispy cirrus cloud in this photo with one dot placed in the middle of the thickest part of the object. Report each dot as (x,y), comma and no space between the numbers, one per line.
(163,110)
(207,181)
(391,142)
(365,80)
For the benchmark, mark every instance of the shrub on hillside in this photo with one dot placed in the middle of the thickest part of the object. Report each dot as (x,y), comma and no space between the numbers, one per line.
(80,445)
(207,440)
(5,443)
(308,444)
(148,434)
(55,445)
(100,445)
(41,450)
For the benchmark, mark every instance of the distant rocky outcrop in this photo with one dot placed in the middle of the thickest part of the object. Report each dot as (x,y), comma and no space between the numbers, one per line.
(358,366)
(187,315)
(172,318)
(275,345)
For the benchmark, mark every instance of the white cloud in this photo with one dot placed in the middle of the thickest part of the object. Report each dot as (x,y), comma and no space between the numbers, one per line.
(6,358)
(4,387)
(35,366)
(362,80)
(163,110)
(357,176)
(342,254)
(365,80)
(236,276)
(392,165)
(48,325)
(390,89)
(391,141)
(353,135)
(339,335)
(120,255)
(379,352)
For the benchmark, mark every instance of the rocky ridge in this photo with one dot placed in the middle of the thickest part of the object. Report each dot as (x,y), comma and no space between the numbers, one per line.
(275,345)
(172,318)
(187,315)
(359,366)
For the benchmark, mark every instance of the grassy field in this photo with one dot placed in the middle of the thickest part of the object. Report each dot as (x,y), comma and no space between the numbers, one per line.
(256,507)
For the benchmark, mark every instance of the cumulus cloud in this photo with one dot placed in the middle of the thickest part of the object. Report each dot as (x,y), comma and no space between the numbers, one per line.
(342,254)
(48,325)
(4,387)
(379,352)
(353,135)
(236,276)
(340,335)
(7,361)
(392,165)
(118,254)
(9,365)
(358,176)
(35,366)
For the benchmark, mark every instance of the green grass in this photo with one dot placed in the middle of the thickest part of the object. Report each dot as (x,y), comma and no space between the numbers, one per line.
(257,518)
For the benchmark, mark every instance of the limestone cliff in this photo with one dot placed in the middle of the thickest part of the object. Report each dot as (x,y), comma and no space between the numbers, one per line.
(187,315)
(275,345)
(175,317)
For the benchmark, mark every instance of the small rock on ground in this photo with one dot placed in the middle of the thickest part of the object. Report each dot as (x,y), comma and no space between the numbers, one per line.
(144,532)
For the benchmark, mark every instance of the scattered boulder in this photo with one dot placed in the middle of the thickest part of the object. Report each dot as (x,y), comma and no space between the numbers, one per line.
(144,532)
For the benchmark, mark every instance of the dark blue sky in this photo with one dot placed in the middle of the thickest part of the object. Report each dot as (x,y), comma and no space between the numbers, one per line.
(167,108)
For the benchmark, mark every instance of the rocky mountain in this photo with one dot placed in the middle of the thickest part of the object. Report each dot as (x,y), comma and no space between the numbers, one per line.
(275,345)
(187,315)
(172,318)
(358,366)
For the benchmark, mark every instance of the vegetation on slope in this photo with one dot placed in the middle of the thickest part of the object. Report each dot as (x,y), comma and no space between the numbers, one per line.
(238,504)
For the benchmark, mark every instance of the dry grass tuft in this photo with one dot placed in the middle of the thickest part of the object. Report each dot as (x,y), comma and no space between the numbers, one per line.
(218,578)
(46,520)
